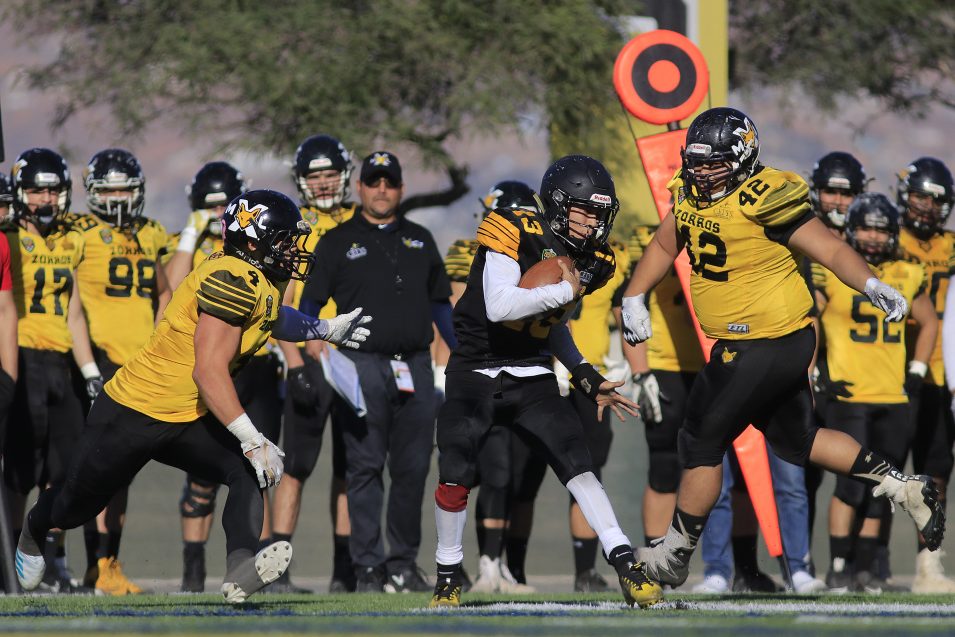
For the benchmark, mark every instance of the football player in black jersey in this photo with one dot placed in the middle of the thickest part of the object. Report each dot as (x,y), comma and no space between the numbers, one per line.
(500,372)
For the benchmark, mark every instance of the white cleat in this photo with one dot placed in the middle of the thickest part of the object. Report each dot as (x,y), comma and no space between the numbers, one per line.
(806,584)
(665,561)
(488,577)
(714,584)
(254,574)
(918,496)
(930,575)
(30,570)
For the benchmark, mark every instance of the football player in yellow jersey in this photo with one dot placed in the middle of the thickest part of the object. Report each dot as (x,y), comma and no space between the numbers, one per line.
(866,360)
(741,224)
(119,275)
(46,415)
(170,401)
(321,170)
(925,196)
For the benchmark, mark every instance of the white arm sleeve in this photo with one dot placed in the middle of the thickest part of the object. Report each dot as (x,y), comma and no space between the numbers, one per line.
(505,301)
(948,339)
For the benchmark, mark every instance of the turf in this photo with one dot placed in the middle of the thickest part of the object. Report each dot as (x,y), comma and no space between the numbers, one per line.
(557,614)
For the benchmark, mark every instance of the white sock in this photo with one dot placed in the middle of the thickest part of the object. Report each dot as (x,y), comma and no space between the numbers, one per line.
(595,505)
(450,525)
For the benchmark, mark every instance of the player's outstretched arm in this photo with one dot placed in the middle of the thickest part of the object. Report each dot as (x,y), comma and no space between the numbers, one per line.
(815,241)
(344,329)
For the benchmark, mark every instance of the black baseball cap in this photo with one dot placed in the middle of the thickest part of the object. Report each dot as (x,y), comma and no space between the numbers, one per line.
(380,163)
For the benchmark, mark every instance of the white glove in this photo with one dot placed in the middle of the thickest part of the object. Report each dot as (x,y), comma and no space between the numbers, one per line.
(264,455)
(563,378)
(646,393)
(196,224)
(886,298)
(344,329)
(636,319)
(617,369)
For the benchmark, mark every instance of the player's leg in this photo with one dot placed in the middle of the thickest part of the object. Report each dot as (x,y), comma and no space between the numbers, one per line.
(663,476)
(528,468)
(343,571)
(716,542)
(492,507)
(464,420)
(543,414)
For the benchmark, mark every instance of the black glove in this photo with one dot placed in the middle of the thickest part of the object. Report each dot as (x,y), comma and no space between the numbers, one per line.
(838,388)
(914,378)
(587,380)
(94,385)
(301,389)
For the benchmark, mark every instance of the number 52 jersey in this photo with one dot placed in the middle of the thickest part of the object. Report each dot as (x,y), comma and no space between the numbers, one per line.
(745,282)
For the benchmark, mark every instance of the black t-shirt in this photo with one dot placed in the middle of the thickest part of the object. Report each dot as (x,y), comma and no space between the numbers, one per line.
(393,273)
(528,239)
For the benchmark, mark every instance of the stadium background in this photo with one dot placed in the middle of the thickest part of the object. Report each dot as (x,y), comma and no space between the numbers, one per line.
(792,138)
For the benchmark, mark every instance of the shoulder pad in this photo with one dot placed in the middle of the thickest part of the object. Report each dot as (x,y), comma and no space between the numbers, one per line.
(502,230)
(773,197)
(227,292)
(81,222)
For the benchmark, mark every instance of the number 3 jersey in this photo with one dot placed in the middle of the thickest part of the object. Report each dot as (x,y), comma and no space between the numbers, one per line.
(526,238)
(862,349)
(745,282)
(117,280)
(157,380)
(42,271)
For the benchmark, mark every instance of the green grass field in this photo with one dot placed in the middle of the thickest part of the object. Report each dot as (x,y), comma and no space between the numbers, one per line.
(555,614)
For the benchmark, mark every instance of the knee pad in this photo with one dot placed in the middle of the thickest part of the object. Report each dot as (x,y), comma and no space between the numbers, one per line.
(451,497)
(664,474)
(198,499)
(850,491)
(696,452)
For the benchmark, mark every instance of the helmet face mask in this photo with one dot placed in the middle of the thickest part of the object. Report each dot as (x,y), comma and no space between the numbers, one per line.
(873,211)
(322,171)
(925,193)
(836,179)
(266,229)
(721,152)
(581,183)
(111,171)
(37,170)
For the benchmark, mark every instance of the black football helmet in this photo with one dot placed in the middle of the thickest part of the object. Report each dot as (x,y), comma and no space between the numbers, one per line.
(41,168)
(581,181)
(216,184)
(718,136)
(511,194)
(873,210)
(115,169)
(925,176)
(322,152)
(835,171)
(6,191)
(266,229)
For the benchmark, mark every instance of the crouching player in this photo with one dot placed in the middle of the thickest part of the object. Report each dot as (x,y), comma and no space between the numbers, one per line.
(172,400)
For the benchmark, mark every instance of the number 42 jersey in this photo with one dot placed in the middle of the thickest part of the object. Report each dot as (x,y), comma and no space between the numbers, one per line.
(745,282)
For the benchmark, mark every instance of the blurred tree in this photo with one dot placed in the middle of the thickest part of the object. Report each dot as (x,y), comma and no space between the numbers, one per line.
(264,75)
(900,53)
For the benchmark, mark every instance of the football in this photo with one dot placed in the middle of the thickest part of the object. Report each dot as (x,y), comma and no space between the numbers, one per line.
(546,272)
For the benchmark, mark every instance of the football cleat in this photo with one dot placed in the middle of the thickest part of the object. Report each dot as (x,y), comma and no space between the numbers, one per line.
(664,564)
(447,592)
(256,572)
(111,579)
(638,588)
(930,575)
(918,496)
(590,581)
(30,570)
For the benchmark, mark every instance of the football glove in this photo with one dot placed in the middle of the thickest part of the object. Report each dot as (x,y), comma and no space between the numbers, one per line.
(646,393)
(199,220)
(636,319)
(886,298)
(94,386)
(345,329)
(301,389)
(265,458)
(914,377)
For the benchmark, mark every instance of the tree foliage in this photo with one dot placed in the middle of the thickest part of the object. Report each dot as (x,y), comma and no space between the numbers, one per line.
(899,52)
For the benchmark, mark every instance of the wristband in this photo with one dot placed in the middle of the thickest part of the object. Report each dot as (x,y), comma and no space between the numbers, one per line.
(242,428)
(918,368)
(187,240)
(587,379)
(91,370)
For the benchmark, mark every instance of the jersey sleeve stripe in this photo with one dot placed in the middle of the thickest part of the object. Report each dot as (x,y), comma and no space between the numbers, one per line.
(784,204)
(242,291)
(226,299)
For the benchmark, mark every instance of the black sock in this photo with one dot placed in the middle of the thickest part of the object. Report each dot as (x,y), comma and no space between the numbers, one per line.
(192,551)
(493,543)
(91,540)
(647,540)
(516,555)
(865,553)
(585,553)
(281,537)
(744,555)
(839,548)
(451,572)
(57,536)
(342,565)
(690,526)
(113,539)
(263,543)
(481,533)
(622,558)
(871,467)
(102,546)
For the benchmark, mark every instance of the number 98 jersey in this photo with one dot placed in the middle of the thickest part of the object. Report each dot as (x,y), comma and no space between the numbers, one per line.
(117,280)
(745,282)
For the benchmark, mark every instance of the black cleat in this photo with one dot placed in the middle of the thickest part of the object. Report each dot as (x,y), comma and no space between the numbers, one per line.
(590,581)
(447,592)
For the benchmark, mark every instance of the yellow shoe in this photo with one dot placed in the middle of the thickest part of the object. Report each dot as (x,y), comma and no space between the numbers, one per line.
(446,593)
(112,580)
(639,589)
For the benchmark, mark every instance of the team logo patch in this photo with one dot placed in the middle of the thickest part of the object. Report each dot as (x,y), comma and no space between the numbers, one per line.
(27,244)
(586,277)
(380,159)
(412,243)
(738,328)
(269,319)
(728,357)
(356,252)
(106,235)
(547,253)
(311,217)
(586,386)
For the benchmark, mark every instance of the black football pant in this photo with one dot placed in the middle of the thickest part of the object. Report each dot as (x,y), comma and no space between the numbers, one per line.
(934,433)
(119,441)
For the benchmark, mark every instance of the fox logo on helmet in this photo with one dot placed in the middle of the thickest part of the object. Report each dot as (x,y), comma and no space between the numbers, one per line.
(747,136)
(245,217)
